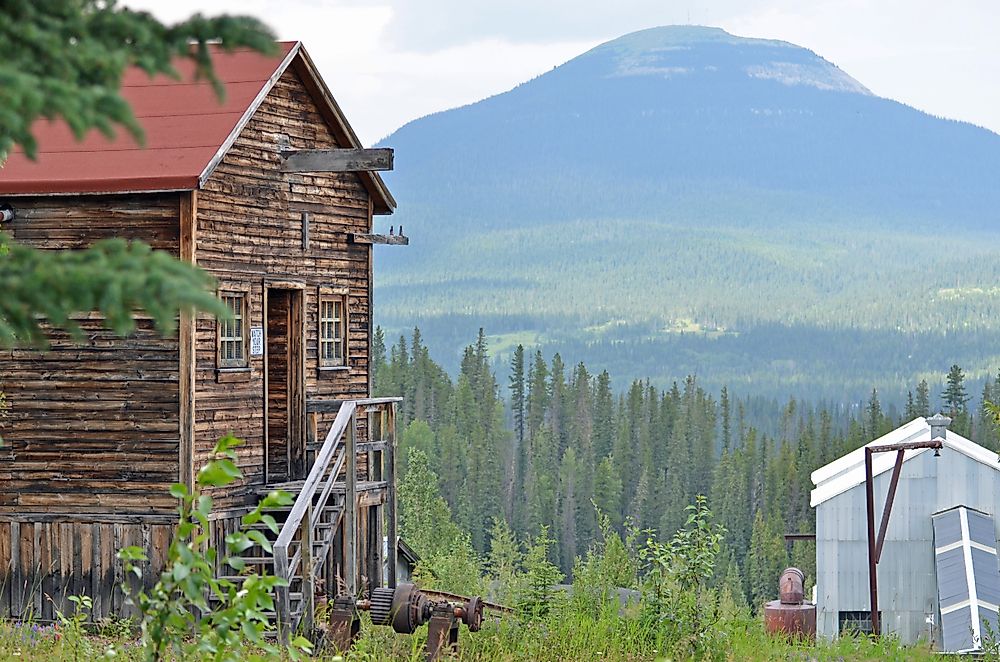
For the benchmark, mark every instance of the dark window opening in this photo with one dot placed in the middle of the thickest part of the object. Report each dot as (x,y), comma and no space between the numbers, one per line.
(855,622)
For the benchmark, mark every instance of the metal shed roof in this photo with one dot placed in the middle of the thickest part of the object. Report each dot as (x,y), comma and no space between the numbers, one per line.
(848,471)
(188,131)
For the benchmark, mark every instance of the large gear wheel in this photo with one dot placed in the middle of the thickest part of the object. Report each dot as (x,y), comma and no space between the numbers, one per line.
(381,609)
(473,613)
(410,609)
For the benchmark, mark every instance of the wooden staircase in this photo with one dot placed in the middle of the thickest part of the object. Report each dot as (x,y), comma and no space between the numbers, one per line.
(325,511)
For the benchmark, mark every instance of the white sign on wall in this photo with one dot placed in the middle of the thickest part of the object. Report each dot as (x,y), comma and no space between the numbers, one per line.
(256,341)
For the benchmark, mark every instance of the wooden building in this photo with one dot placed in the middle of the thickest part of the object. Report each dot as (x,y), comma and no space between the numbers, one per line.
(98,431)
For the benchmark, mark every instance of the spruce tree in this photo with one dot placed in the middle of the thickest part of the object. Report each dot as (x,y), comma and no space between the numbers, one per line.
(608,490)
(955,399)
(517,394)
(569,506)
(726,431)
(910,412)
(604,423)
(954,395)
(538,393)
(923,400)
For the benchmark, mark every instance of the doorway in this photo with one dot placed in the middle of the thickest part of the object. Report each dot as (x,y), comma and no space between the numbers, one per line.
(284,439)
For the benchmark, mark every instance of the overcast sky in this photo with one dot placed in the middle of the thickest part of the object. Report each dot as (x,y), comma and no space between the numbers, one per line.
(390,61)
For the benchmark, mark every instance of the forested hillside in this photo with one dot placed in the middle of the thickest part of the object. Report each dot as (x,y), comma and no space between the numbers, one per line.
(683,201)
(555,445)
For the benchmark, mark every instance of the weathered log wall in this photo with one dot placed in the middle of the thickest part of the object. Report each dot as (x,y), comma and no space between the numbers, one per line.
(93,423)
(250,231)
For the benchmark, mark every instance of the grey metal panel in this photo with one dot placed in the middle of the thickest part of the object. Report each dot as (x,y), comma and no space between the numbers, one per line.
(984,568)
(981,529)
(952,582)
(956,630)
(947,528)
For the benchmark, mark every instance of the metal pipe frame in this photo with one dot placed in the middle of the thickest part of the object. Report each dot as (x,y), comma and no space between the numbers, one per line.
(875,543)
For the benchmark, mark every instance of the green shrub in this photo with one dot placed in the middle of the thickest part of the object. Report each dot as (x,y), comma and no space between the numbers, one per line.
(177,616)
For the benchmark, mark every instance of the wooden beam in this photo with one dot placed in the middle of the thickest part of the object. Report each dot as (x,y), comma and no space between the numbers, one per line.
(186,358)
(389,474)
(390,239)
(351,510)
(336,160)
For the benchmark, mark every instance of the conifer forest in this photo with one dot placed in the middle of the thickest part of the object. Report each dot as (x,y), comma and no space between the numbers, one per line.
(554,448)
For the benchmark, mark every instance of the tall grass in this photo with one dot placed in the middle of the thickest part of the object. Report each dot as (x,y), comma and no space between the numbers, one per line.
(569,634)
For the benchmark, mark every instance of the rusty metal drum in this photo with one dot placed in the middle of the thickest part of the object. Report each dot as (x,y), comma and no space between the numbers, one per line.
(791,615)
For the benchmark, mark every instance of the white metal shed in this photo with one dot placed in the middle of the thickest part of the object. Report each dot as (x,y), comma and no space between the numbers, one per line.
(965,474)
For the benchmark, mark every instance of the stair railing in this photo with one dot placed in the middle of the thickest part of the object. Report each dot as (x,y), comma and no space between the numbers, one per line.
(308,509)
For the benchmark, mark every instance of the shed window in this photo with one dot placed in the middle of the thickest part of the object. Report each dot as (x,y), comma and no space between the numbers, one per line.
(332,331)
(855,622)
(233,332)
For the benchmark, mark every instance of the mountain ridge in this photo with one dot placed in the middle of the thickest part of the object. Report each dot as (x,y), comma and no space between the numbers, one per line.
(780,190)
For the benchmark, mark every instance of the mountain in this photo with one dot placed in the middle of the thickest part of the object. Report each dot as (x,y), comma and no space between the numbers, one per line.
(677,199)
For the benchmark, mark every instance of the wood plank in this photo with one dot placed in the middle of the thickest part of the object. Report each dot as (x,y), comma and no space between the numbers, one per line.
(337,160)
(389,239)
(186,350)
(391,526)
(351,509)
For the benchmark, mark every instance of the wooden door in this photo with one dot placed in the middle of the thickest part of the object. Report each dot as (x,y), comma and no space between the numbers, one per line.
(284,437)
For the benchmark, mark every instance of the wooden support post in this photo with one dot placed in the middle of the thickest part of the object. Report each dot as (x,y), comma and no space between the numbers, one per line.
(308,584)
(186,343)
(284,606)
(390,493)
(351,510)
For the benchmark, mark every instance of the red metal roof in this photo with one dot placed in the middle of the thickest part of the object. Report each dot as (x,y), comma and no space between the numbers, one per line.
(185,124)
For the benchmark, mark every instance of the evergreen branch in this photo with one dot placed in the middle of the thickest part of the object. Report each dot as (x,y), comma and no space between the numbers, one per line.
(115,277)
(65,60)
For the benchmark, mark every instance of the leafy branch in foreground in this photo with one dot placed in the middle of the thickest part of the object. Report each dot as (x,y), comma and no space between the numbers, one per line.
(236,622)
(65,60)
(114,276)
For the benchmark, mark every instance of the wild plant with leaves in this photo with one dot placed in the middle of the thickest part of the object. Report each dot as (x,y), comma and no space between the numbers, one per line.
(73,627)
(676,576)
(190,613)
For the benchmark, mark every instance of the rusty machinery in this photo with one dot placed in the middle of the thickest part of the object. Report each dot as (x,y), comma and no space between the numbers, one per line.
(405,608)
(791,615)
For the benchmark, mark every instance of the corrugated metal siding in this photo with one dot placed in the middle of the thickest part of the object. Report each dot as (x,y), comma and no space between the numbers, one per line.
(907,587)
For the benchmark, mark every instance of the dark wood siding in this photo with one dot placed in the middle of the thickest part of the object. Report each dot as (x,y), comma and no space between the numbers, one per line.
(249,231)
(44,562)
(93,424)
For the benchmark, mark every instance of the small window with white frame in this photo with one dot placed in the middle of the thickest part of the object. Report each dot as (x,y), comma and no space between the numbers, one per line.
(332,329)
(233,331)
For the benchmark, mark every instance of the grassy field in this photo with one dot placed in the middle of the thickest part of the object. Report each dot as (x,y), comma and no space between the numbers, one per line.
(563,635)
